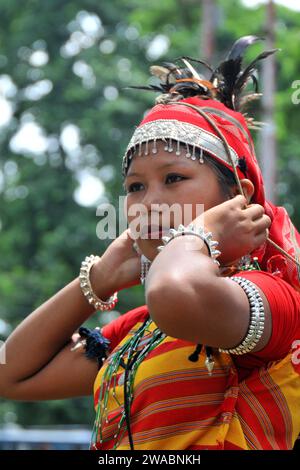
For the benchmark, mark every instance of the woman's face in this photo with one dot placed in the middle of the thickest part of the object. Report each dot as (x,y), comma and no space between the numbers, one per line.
(156,182)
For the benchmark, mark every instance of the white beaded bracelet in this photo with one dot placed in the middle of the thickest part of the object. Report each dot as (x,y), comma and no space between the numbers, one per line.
(257,318)
(85,284)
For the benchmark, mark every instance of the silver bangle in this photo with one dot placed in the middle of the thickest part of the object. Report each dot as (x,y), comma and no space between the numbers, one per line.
(257,318)
(206,237)
(85,284)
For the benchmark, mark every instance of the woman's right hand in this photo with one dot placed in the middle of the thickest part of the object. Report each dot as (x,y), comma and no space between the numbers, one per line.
(239,228)
(119,266)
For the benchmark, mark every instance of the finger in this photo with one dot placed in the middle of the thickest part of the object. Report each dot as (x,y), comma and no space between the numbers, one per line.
(238,201)
(260,239)
(262,224)
(241,200)
(255,211)
(76,337)
(131,234)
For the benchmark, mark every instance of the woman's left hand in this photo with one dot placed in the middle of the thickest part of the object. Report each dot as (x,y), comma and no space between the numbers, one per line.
(238,228)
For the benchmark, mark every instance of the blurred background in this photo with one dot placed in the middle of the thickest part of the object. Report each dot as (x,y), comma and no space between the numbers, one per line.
(65,122)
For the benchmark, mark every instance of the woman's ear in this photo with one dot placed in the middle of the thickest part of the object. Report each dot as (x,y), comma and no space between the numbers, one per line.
(248,189)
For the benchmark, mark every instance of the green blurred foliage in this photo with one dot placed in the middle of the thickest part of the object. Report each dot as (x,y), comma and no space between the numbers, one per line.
(44,232)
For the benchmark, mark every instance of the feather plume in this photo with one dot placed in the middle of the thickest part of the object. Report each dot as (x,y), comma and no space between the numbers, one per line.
(160,72)
(231,79)
(191,69)
(226,83)
(198,61)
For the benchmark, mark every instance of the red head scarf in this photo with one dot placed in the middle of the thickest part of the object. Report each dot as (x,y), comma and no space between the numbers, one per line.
(180,122)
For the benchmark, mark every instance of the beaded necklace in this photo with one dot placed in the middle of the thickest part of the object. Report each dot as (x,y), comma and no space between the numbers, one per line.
(246,263)
(135,354)
(134,350)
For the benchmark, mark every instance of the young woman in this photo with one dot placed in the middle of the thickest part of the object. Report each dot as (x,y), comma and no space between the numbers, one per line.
(210,360)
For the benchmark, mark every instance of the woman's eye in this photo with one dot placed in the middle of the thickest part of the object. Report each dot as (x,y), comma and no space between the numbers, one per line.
(134,187)
(174,178)
(131,187)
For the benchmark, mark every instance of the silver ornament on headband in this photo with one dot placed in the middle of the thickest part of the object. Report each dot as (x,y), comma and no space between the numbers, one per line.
(171,147)
(175,133)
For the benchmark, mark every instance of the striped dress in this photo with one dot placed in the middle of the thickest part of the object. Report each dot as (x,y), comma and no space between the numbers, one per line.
(249,402)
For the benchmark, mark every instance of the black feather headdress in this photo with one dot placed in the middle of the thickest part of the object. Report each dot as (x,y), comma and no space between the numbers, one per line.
(226,84)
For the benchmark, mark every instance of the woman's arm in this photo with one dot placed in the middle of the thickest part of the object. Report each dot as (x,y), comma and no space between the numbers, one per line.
(39,361)
(188,299)
(39,364)
(68,374)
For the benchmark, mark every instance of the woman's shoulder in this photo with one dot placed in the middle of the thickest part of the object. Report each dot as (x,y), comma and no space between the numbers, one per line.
(116,330)
(279,292)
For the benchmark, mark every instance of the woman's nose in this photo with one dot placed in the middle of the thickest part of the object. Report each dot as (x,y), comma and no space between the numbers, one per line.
(152,199)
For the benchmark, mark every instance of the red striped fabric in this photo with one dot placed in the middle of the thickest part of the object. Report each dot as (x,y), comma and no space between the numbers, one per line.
(177,405)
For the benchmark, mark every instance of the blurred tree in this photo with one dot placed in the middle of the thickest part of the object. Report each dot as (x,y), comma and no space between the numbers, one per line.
(268,133)
(63,69)
(208,29)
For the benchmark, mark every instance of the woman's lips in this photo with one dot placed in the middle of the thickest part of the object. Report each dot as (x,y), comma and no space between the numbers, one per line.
(154,232)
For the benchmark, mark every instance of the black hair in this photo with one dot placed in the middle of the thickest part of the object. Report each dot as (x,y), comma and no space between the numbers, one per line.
(225,176)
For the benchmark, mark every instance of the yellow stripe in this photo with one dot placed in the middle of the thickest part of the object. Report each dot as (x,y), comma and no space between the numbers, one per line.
(288,380)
